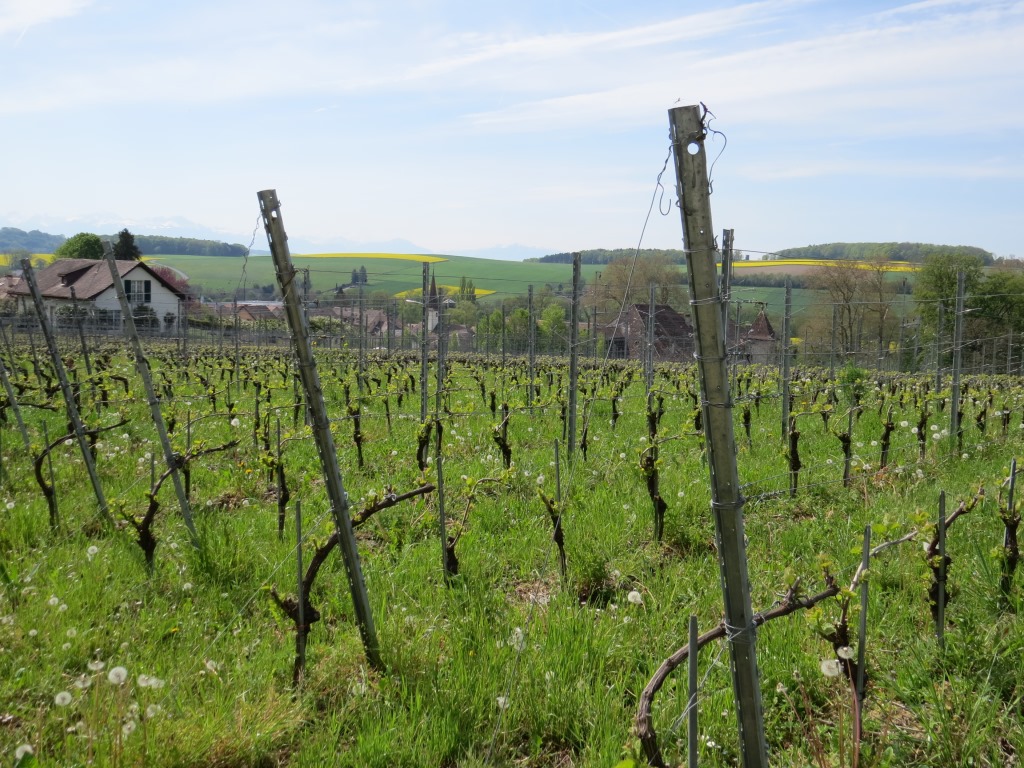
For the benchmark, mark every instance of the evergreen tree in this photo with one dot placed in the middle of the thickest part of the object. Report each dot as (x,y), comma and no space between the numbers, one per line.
(125,248)
(362,275)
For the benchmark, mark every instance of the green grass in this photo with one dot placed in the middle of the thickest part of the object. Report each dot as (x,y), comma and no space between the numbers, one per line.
(506,278)
(505,665)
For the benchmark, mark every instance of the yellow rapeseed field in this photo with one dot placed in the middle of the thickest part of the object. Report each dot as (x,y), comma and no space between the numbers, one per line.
(891,266)
(400,256)
(38,260)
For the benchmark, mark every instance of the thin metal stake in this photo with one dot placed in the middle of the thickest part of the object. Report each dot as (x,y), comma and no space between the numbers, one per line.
(300,644)
(862,634)
(691,725)
(940,613)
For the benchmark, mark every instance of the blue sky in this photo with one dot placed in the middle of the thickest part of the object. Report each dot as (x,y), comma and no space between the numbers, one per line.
(462,126)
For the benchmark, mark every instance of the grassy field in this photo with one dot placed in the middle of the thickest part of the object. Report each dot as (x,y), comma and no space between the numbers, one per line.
(389,273)
(510,662)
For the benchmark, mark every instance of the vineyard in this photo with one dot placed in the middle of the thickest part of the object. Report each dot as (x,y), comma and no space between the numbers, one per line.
(378,555)
(563,584)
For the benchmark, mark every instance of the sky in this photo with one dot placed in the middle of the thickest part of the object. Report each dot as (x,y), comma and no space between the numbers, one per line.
(514,129)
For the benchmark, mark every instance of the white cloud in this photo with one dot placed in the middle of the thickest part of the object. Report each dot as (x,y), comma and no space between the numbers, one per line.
(17,16)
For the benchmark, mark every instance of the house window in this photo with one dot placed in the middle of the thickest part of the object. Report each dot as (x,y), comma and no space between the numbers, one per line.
(139,291)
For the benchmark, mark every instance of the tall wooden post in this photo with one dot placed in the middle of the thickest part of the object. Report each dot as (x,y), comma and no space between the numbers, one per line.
(574,354)
(65,387)
(299,325)
(424,346)
(727,240)
(171,459)
(784,368)
(12,401)
(688,133)
(649,352)
(956,439)
(531,393)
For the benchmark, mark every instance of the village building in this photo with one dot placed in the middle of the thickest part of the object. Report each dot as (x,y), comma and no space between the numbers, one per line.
(88,285)
(627,336)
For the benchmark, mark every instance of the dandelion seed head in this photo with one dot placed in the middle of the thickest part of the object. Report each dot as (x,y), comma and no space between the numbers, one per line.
(831,668)
(845,652)
(62,699)
(635,598)
(117,676)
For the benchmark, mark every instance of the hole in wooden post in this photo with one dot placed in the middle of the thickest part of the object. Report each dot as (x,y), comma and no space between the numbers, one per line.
(693,147)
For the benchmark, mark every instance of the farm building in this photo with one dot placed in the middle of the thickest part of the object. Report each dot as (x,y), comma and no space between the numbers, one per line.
(627,336)
(759,344)
(89,284)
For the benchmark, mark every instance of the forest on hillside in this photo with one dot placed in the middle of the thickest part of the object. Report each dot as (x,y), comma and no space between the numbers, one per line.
(915,252)
(13,239)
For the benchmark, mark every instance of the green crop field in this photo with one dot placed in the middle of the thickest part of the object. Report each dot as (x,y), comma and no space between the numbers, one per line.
(507,660)
(391,275)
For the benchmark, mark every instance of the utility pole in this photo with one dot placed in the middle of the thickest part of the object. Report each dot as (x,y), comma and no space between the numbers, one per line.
(299,324)
(688,133)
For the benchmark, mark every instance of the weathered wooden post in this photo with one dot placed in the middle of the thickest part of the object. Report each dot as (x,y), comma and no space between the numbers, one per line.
(65,387)
(784,368)
(299,325)
(955,435)
(574,354)
(688,132)
(171,459)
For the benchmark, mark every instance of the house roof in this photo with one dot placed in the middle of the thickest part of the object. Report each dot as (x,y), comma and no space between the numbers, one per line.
(667,322)
(761,329)
(7,282)
(89,278)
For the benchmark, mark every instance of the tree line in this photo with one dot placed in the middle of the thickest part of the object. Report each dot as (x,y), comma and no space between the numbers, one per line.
(915,252)
(13,240)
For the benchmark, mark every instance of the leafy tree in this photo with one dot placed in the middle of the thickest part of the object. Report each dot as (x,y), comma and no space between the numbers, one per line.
(463,313)
(125,248)
(84,245)
(467,291)
(517,330)
(552,330)
(936,284)
(362,275)
(863,298)
(624,282)
(354,280)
